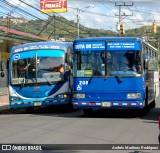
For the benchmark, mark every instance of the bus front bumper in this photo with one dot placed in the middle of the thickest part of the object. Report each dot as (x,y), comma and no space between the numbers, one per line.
(23,104)
(115,104)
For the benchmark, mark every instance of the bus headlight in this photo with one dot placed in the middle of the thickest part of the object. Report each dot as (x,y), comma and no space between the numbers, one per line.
(79,95)
(133,95)
(15,99)
(62,96)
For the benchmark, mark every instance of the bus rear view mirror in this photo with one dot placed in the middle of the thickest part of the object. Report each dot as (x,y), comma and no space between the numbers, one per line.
(68,68)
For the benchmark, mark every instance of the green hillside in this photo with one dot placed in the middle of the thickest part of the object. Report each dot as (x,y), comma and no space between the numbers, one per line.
(59,27)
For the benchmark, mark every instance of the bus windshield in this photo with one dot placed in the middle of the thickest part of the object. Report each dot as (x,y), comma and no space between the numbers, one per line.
(123,63)
(89,63)
(40,69)
(107,63)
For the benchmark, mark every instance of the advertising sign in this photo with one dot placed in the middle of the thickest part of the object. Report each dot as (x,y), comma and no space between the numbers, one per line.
(57,6)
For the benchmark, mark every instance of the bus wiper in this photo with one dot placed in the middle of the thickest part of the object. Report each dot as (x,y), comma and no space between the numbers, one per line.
(27,66)
(22,82)
(118,79)
(90,79)
(24,69)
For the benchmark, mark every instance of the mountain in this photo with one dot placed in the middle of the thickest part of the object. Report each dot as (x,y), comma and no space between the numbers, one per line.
(59,27)
(55,28)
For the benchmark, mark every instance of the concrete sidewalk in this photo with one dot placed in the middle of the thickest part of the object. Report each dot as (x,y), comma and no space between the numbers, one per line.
(4,102)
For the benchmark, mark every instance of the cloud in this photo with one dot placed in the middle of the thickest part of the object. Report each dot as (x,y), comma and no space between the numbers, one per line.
(92,17)
(14,2)
(18,2)
(104,14)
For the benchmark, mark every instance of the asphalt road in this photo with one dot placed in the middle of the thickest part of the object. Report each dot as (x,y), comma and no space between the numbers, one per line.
(57,125)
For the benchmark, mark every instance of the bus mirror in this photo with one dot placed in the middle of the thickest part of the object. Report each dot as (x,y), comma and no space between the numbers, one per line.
(68,68)
(2,74)
(139,68)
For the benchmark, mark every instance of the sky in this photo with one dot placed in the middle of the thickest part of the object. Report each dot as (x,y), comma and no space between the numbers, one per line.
(143,12)
(97,14)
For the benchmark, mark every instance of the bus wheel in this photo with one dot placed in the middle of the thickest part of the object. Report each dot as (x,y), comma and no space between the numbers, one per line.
(88,111)
(145,110)
(153,103)
(146,107)
(29,109)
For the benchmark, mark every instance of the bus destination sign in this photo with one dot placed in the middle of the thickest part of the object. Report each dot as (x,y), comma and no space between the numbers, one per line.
(123,46)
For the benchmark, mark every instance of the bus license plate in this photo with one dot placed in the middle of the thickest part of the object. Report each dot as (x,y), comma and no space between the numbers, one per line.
(37,103)
(106,104)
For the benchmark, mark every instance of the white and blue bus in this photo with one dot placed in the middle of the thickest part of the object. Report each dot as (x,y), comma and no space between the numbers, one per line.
(114,72)
(39,75)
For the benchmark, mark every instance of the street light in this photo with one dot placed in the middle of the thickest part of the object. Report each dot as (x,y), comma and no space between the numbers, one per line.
(78,10)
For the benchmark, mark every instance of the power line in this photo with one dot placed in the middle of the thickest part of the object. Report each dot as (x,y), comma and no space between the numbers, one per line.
(120,26)
(48,15)
(120,14)
(78,16)
(39,18)
(105,5)
(51,16)
(32,15)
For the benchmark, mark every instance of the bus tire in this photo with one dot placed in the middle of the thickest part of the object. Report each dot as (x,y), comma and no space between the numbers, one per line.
(87,112)
(29,109)
(146,107)
(153,103)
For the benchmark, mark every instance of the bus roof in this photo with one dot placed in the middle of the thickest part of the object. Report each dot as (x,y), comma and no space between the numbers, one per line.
(110,38)
(41,45)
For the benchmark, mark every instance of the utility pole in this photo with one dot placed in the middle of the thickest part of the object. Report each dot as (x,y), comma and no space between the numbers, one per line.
(9,21)
(78,11)
(121,15)
(78,16)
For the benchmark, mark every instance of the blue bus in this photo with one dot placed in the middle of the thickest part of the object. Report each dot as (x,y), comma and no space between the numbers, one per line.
(39,74)
(114,72)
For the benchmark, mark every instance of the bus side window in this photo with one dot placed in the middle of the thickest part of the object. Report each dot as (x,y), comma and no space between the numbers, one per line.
(146,58)
(138,62)
(146,62)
